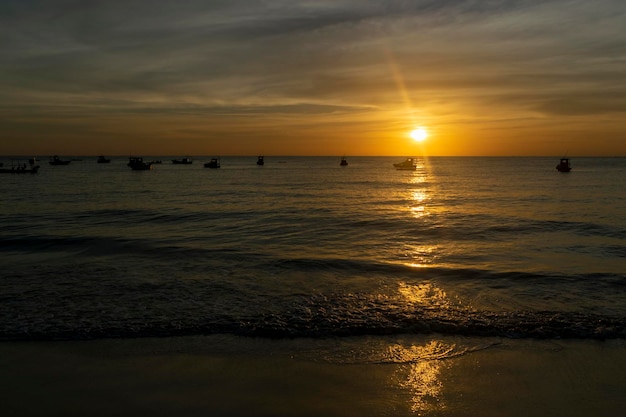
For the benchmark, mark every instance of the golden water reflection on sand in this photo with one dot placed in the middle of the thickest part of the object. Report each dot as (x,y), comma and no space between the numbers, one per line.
(421,374)
(425,387)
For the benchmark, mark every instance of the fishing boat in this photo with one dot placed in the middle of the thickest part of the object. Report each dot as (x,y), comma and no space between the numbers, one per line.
(563,165)
(55,160)
(184,161)
(260,161)
(409,164)
(213,163)
(344,162)
(103,160)
(21,168)
(138,164)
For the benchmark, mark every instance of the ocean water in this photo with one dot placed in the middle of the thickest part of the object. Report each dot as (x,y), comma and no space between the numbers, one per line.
(304,248)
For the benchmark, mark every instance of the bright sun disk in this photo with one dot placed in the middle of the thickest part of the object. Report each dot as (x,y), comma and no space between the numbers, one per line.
(419,134)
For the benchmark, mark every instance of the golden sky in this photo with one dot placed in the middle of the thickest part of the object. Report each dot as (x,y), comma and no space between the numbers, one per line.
(295,77)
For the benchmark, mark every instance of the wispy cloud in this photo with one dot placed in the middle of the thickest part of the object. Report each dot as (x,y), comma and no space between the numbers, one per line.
(308,58)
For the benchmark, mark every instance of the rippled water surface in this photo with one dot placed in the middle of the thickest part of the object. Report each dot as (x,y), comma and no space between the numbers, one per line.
(304,247)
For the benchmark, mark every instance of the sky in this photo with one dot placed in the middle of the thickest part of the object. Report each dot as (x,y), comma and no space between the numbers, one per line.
(312,77)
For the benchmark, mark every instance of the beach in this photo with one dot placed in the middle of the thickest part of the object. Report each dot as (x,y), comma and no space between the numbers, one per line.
(231,376)
(306,288)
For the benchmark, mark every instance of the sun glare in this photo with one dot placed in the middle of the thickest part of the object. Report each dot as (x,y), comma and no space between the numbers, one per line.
(419,134)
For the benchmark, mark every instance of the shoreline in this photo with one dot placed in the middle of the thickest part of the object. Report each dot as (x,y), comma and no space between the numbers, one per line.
(368,376)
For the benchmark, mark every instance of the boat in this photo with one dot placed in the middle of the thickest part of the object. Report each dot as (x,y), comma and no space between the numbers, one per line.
(344,162)
(409,164)
(55,160)
(103,160)
(213,163)
(260,161)
(21,168)
(138,164)
(564,165)
(184,161)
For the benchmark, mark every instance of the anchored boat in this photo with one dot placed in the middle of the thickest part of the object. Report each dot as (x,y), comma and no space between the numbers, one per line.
(138,164)
(409,164)
(213,163)
(21,168)
(184,161)
(564,165)
(55,160)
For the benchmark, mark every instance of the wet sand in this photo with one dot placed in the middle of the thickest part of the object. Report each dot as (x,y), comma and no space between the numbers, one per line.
(229,376)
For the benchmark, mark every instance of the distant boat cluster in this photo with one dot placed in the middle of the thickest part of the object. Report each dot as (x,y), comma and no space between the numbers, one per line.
(137,163)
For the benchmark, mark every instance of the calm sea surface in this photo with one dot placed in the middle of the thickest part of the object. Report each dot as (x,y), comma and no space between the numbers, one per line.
(302,247)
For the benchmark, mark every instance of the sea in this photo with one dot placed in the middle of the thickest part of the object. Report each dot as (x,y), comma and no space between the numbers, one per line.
(303,248)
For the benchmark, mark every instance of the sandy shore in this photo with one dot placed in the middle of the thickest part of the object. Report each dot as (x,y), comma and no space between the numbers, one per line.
(229,376)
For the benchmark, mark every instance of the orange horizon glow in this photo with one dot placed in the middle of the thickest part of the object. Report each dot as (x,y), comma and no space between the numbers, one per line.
(355,87)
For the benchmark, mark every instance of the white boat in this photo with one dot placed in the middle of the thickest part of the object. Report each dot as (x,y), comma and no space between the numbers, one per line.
(409,164)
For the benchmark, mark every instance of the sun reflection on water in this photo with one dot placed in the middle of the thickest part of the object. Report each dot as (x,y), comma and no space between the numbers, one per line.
(425,387)
(423,363)
(422,366)
(423,294)
(419,196)
(422,256)
(421,374)
(418,208)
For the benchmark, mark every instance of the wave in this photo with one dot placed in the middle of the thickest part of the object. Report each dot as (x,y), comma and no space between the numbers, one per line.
(94,300)
(224,252)
(322,321)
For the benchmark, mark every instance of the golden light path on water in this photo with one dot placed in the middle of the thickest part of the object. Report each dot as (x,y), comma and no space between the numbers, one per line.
(422,362)
(419,189)
(420,374)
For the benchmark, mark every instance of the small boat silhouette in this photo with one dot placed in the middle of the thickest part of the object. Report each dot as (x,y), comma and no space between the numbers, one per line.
(20,168)
(564,165)
(55,160)
(138,164)
(213,163)
(184,161)
(409,164)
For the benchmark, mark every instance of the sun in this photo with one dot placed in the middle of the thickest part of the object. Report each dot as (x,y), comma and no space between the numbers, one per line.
(420,134)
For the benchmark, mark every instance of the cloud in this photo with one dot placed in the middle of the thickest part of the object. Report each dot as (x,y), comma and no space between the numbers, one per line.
(261,58)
